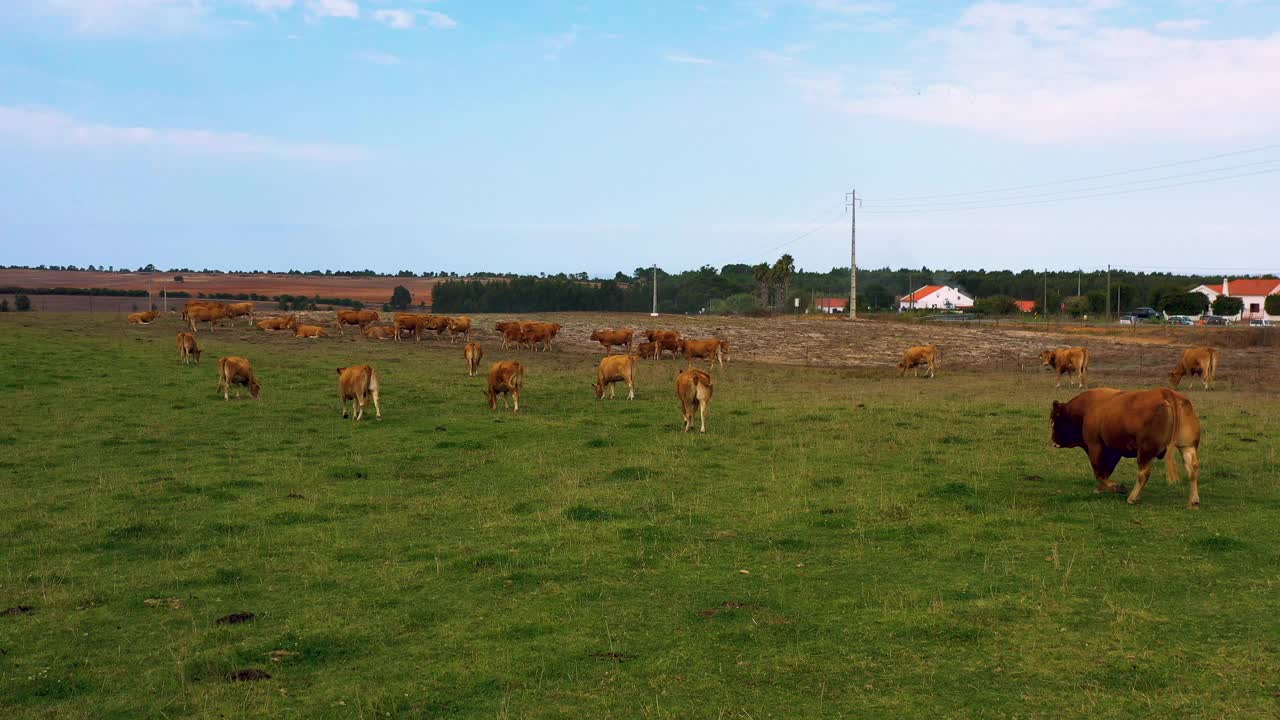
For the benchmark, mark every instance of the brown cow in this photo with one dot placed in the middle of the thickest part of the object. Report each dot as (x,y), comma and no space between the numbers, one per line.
(206,313)
(724,350)
(1067,360)
(459,326)
(188,348)
(694,389)
(143,318)
(309,331)
(512,334)
(505,378)
(241,309)
(356,317)
(379,332)
(1143,424)
(278,323)
(414,323)
(708,350)
(536,335)
(542,329)
(1202,361)
(915,357)
(616,368)
(472,353)
(186,309)
(647,350)
(358,384)
(609,338)
(234,370)
(438,323)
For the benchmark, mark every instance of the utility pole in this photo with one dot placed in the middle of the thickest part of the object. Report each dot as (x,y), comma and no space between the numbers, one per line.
(1046,292)
(911,294)
(655,291)
(1079,274)
(853,254)
(1109,293)
(164,290)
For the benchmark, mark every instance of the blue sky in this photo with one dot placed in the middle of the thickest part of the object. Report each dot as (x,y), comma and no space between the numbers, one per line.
(587,136)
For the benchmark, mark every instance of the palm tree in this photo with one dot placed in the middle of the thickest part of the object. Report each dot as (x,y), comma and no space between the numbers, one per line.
(782,272)
(764,280)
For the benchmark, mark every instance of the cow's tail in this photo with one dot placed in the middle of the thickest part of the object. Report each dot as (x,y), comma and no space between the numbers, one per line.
(1174,403)
(1213,364)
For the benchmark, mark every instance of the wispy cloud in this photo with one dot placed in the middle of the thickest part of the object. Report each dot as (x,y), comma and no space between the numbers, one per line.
(110,17)
(270,6)
(1188,25)
(375,57)
(685,58)
(333,8)
(439,20)
(51,128)
(1053,74)
(399,19)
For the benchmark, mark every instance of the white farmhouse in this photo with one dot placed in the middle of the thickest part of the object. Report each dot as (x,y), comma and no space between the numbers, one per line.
(935,297)
(1252,291)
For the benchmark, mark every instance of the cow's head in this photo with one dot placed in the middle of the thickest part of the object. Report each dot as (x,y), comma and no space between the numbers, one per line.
(1049,359)
(1065,428)
(598,386)
(595,334)
(254,388)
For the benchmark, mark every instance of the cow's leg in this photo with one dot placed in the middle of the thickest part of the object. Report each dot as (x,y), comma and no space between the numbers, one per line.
(515,400)
(1144,474)
(631,390)
(342,402)
(702,415)
(377,409)
(611,387)
(931,369)
(1191,460)
(1104,463)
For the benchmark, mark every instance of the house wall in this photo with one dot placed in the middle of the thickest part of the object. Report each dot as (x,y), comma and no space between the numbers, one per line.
(939,299)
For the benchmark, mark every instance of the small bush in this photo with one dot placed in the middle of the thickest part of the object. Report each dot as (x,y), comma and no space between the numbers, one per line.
(1227,305)
(1272,305)
(23,303)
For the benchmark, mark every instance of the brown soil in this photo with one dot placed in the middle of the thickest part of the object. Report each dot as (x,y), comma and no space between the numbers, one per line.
(16,610)
(235,618)
(247,675)
(727,606)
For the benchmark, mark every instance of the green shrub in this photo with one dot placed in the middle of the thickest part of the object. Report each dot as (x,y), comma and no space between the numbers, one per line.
(1193,303)
(1227,305)
(1272,305)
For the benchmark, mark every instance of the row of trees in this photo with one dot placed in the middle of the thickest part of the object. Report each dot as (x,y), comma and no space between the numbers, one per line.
(22,303)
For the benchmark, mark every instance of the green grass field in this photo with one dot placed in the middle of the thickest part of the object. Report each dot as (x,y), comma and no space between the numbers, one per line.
(841,543)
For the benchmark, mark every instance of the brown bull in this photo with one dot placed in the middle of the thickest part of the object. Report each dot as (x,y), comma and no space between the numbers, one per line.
(241,309)
(1144,424)
(206,313)
(411,322)
(1202,361)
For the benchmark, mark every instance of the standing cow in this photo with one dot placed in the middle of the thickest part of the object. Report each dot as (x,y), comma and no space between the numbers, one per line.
(505,378)
(358,384)
(472,353)
(913,358)
(614,369)
(233,370)
(1202,361)
(694,389)
(611,338)
(1068,360)
(188,348)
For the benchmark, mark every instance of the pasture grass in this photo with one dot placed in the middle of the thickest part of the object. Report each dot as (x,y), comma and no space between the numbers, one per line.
(841,543)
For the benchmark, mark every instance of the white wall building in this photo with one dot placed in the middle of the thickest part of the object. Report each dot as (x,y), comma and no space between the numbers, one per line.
(936,297)
(1252,291)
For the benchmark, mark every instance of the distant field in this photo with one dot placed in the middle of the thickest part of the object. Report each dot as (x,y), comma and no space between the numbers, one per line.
(841,543)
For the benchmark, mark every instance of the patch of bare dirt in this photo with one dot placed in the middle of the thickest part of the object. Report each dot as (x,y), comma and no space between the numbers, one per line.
(235,618)
(16,610)
(250,675)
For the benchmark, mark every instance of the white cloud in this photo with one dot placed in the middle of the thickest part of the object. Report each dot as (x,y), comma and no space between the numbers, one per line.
(333,8)
(686,59)
(399,19)
(439,20)
(50,128)
(557,43)
(376,57)
(270,6)
(1061,74)
(1188,25)
(849,7)
(109,17)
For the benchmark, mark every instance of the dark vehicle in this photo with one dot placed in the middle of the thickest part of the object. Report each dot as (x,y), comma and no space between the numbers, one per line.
(1214,320)
(1180,320)
(1145,313)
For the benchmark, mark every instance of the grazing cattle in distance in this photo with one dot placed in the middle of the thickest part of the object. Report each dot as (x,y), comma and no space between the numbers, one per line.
(610,338)
(1068,360)
(1144,424)
(358,384)
(647,350)
(191,304)
(143,318)
(708,350)
(472,353)
(309,331)
(241,309)
(512,335)
(545,331)
(206,313)
(543,335)
(724,350)
(613,369)
(459,326)
(278,323)
(379,332)
(505,378)
(694,389)
(665,340)
(438,323)
(919,356)
(363,318)
(188,348)
(234,370)
(414,323)
(1202,361)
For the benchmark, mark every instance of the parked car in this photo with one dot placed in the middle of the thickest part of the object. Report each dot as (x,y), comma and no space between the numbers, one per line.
(1262,322)
(1145,313)
(1214,320)
(1180,320)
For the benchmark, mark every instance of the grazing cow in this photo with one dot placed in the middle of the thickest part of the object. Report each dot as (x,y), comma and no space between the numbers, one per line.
(206,313)
(724,350)
(708,350)
(616,368)
(411,322)
(1143,424)
(1067,360)
(647,350)
(278,323)
(358,384)
(536,335)
(241,309)
(363,318)
(512,334)
(694,389)
(234,370)
(1202,361)
(472,353)
(459,326)
(919,356)
(188,348)
(545,331)
(379,332)
(143,318)
(309,331)
(609,338)
(505,378)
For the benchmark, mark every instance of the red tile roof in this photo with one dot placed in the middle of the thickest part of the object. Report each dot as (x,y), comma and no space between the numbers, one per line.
(1026,305)
(922,293)
(831,302)
(1248,286)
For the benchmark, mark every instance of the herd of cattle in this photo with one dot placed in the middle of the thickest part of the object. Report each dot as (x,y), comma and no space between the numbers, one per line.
(1108,424)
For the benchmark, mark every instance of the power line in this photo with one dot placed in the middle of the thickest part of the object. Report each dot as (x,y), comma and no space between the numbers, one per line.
(798,238)
(959,204)
(896,211)
(1079,179)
